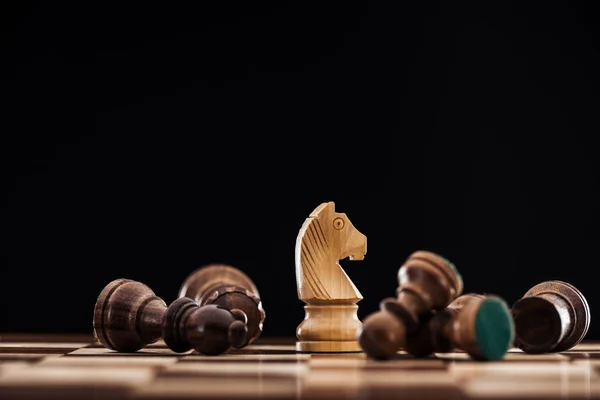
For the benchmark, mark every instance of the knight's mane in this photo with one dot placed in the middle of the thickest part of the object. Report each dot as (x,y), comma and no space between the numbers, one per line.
(312,247)
(312,237)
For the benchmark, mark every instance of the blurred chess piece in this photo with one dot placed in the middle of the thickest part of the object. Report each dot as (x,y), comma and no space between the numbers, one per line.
(482,326)
(331,322)
(427,282)
(228,287)
(553,316)
(128,316)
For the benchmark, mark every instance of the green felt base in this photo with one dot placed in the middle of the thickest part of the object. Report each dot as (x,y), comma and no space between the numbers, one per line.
(494,329)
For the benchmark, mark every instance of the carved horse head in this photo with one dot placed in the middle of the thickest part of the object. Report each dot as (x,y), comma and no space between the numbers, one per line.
(325,238)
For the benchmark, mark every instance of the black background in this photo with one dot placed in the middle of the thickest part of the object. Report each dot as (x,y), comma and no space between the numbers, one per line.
(144,141)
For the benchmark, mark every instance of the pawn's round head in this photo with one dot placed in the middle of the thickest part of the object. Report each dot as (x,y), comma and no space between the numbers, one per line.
(381,335)
(244,301)
(237,334)
(239,315)
(213,330)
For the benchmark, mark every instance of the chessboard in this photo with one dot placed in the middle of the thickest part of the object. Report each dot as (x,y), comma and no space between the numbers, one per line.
(78,367)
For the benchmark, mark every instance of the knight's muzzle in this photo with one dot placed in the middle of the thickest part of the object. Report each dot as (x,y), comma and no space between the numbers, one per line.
(358,254)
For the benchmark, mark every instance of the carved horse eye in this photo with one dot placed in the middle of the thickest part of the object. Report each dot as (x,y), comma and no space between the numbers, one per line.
(338,223)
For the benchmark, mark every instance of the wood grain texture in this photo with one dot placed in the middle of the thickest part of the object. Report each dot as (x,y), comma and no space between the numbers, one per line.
(228,287)
(271,368)
(480,325)
(128,316)
(331,322)
(426,283)
(552,316)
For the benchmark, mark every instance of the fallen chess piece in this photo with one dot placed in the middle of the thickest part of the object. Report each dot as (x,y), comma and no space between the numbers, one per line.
(228,287)
(427,282)
(553,316)
(482,326)
(128,316)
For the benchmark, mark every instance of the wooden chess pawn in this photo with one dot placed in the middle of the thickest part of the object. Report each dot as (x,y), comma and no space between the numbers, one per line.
(128,316)
(553,316)
(228,287)
(426,282)
(330,313)
(482,326)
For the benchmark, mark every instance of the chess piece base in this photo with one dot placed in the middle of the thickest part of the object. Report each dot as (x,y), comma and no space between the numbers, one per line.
(329,347)
(565,332)
(329,328)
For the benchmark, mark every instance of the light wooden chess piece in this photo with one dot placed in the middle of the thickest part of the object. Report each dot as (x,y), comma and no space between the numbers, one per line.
(331,322)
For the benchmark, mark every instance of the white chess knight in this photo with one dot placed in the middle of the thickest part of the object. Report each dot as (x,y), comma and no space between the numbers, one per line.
(331,321)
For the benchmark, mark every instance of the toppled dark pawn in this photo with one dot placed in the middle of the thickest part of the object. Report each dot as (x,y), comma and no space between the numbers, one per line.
(228,287)
(209,329)
(128,316)
(381,335)
(482,326)
(426,282)
(553,316)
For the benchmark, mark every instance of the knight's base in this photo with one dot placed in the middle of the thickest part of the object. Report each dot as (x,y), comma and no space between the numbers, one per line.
(329,328)
(328,347)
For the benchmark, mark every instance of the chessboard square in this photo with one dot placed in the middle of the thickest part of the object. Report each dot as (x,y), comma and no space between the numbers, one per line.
(534,380)
(494,388)
(516,372)
(30,357)
(453,356)
(576,355)
(412,365)
(385,384)
(145,352)
(241,369)
(591,346)
(13,365)
(592,364)
(101,362)
(227,387)
(266,349)
(39,347)
(36,350)
(71,382)
(338,356)
(333,362)
(261,358)
(411,393)
(525,357)
(159,343)
(59,375)
(514,350)
(508,357)
(43,345)
(335,378)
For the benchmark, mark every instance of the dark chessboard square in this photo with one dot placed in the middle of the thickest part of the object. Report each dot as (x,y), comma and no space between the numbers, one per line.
(582,354)
(103,352)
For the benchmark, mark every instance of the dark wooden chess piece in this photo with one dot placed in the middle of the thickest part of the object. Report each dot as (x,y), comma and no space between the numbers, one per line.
(228,287)
(553,316)
(427,282)
(482,326)
(128,316)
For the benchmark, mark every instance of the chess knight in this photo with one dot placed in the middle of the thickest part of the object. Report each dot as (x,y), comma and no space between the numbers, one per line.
(331,322)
